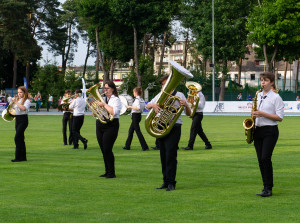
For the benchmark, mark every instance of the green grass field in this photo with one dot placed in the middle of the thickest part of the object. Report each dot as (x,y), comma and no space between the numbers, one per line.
(59,184)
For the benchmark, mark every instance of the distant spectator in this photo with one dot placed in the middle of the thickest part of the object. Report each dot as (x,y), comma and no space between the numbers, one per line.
(249,98)
(50,101)
(239,97)
(39,100)
(297,98)
(9,98)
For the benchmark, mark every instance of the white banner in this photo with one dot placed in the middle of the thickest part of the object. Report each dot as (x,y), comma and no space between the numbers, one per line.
(245,106)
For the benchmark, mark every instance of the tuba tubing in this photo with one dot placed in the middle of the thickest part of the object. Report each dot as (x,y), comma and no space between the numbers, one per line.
(100,112)
(193,98)
(9,113)
(160,124)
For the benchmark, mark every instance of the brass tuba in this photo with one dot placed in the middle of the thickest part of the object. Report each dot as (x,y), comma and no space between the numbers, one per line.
(160,124)
(9,113)
(92,101)
(249,123)
(65,105)
(193,98)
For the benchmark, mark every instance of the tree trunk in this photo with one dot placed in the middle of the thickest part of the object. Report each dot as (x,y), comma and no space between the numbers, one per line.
(284,77)
(162,54)
(15,72)
(152,51)
(86,57)
(240,70)
(144,45)
(97,68)
(266,57)
(136,58)
(112,69)
(223,80)
(27,72)
(105,74)
(66,56)
(271,67)
(186,47)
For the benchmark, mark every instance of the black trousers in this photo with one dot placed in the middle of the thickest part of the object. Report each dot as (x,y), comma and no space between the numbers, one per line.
(168,154)
(20,126)
(265,139)
(106,136)
(196,128)
(136,119)
(77,124)
(67,119)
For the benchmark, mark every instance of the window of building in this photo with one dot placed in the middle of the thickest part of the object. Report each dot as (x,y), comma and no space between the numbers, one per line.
(252,76)
(178,58)
(124,76)
(178,47)
(279,76)
(115,76)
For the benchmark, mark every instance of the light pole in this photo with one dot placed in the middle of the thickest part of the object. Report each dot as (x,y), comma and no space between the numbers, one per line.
(213,51)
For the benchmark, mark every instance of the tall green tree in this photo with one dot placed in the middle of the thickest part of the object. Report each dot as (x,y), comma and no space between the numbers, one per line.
(274,27)
(230,30)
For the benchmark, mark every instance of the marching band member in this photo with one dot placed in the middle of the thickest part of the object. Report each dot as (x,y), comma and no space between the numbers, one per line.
(78,105)
(196,127)
(108,133)
(169,143)
(269,112)
(136,115)
(22,104)
(67,119)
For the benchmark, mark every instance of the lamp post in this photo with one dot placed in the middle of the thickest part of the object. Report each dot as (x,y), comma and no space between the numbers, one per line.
(213,52)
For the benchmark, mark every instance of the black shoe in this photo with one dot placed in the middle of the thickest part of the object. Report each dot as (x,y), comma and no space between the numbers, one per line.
(125,148)
(65,144)
(208,147)
(170,187)
(145,149)
(75,147)
(265,193)
(103,175)
(15,160)
(163,186)
(261,193)
(85,143)
(187,148)
(155,148)
(110,176)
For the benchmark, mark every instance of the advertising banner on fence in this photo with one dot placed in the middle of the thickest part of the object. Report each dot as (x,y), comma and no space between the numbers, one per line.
(2,106)
(245,106)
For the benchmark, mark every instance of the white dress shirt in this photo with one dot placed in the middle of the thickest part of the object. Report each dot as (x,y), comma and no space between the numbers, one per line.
(178,94)
(20,111)
(270,103)
(116,104)
(201,103)
(139,103)
(78,106)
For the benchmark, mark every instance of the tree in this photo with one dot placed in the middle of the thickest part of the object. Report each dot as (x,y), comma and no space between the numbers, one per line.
(274,26)
(230,32)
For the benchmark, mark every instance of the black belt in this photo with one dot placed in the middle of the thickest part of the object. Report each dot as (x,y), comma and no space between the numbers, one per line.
(267,126)
(199,113)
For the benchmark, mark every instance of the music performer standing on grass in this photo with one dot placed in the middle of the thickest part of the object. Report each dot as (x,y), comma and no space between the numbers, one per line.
(21,106)
(136,115)
(269,112)
(107,133)
(67,119)
(169,143)
(78,105)
(196,127)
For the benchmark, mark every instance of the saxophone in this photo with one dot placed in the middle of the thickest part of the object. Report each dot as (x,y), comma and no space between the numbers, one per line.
(249,123)
(92,102)
(160,124)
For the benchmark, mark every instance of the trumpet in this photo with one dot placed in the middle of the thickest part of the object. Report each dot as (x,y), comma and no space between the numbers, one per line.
(193,98)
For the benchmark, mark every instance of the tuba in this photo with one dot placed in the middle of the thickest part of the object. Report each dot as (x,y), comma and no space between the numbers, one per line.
(9,113)
(92,102)
(249,123)
(65,105)
(160,124)
(193,98)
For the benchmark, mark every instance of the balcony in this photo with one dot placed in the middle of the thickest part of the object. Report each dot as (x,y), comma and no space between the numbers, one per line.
(176,52)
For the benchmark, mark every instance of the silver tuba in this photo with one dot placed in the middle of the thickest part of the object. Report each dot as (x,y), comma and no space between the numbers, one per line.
(92,102)
(193,98)
(160,124)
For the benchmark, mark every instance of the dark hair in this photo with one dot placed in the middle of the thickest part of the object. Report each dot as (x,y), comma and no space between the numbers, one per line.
(268,75)
(112,85)
(163,78)
(139,91)
(68,91)
(23,88)
(78,91)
